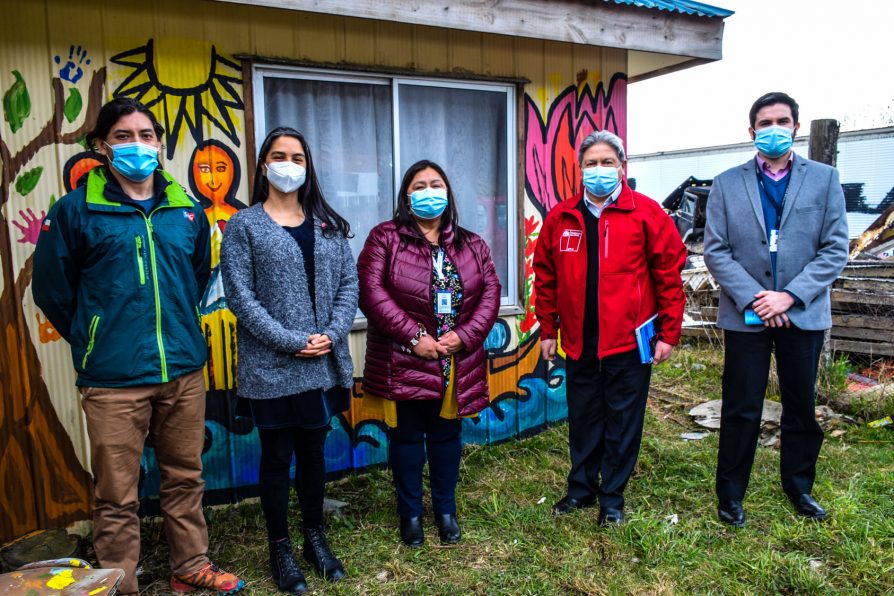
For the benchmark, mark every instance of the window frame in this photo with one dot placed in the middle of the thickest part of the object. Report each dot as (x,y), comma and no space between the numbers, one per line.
(511,302)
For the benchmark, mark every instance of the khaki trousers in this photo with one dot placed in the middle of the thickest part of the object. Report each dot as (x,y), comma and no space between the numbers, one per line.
(119,419)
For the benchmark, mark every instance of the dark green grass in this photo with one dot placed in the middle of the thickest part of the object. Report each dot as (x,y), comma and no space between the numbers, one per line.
(513,545)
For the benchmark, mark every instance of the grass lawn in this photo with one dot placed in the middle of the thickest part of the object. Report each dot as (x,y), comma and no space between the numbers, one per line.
(513,545)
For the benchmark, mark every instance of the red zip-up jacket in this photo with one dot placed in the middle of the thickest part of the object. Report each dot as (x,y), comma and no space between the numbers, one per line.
(640,259)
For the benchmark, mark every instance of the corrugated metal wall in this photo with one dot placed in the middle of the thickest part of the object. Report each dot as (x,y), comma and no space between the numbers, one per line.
(60,59)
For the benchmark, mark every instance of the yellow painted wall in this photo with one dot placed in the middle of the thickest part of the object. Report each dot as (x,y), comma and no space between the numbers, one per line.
(60,47)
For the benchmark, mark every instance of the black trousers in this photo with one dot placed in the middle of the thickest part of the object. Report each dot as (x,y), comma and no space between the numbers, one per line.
(606,407)
(421,431)
(745,373)
(277,447)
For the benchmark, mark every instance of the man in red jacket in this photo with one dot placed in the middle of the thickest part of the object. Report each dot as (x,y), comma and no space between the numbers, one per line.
(606,261)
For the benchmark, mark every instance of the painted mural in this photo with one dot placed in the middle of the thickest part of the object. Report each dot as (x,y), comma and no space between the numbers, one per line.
(196,90)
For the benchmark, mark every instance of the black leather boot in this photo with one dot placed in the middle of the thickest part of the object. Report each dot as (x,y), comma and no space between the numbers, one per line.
(448,528)
(286,574)
(318,554)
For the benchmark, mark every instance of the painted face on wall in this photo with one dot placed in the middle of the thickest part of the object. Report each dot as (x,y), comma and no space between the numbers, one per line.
(213,171)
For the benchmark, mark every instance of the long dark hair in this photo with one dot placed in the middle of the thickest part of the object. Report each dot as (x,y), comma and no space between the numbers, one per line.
(310,195)
(403,216)
(113,111)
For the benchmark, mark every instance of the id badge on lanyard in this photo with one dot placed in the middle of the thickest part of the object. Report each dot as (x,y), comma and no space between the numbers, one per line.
(444,300)
(774,240)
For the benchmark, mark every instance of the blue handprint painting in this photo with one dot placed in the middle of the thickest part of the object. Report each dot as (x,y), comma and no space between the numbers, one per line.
(71,71)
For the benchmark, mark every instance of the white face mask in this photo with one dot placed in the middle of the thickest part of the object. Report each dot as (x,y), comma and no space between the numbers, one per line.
(286,176)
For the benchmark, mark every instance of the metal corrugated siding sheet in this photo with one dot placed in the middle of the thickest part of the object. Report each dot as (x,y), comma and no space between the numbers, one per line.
(682,6)
(33,33)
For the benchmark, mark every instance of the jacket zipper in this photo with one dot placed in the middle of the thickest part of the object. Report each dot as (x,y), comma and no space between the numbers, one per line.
(158,336)
(140,264)
(94,323)
(606,239)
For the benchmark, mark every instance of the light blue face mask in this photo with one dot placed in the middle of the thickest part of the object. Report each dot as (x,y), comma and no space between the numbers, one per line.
(135,161)
(428,203)
(773,141)
(601,180)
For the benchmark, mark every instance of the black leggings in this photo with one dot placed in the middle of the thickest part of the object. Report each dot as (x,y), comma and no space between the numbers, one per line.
(277,447)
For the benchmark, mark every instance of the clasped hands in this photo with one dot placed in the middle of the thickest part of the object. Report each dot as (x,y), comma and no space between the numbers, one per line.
(431,349)
(318,344)
(771,307)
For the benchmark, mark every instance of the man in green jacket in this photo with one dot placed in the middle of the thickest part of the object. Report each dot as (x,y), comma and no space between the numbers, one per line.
(120,266)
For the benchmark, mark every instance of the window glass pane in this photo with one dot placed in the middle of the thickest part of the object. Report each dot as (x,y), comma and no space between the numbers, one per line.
(348,127)
(464,131)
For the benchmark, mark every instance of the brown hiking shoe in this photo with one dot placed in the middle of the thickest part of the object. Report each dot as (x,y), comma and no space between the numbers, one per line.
(209,577)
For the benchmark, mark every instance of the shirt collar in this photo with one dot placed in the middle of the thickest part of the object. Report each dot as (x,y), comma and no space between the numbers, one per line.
(612,198)
(764,166)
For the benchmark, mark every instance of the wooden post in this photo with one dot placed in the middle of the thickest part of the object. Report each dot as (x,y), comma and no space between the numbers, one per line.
(823,147)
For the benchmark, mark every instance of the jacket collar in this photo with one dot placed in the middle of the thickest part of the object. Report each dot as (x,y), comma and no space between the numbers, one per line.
(98,182)
(750,172)
(446,233)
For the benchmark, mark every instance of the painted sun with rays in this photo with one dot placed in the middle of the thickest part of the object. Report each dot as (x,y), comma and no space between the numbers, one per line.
(187,84)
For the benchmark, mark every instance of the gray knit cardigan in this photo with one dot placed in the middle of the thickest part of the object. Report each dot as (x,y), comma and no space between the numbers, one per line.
(266,288)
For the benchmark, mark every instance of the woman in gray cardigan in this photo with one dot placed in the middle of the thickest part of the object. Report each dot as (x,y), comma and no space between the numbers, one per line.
(290,279)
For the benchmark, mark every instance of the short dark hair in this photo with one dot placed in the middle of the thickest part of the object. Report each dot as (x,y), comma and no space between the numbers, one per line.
(404,217)
(769,99)
(113,111)
(310,195)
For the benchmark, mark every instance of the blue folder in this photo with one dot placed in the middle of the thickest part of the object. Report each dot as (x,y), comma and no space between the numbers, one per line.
(646,337)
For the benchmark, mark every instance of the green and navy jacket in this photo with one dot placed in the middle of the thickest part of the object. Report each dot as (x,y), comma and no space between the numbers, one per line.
(123,286)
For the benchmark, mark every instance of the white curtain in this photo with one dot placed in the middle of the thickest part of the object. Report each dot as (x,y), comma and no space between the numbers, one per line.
(348,127)
(463,131)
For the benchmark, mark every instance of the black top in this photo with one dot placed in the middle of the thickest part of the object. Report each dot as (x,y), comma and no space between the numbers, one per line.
(591,304)
(304,236)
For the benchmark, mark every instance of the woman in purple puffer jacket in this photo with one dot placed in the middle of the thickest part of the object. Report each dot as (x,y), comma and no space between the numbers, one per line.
(431,295)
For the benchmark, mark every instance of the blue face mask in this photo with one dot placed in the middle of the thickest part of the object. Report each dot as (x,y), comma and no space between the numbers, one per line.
(135,161)
(773,141)
(428,203)
(601,180)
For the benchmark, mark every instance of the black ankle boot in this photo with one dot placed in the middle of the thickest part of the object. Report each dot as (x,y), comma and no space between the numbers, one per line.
(448,528)
(286,574)
(318,554)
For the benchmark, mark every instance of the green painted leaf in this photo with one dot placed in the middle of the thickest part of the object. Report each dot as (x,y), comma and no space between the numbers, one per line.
(73,105)
(27,181)
(82,141)
(16,103)
(53,200)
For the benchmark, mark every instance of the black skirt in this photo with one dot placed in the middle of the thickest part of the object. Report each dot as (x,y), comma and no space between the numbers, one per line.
(310,409)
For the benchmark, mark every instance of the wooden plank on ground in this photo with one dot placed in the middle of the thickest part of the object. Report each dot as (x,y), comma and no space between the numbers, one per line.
(841,298)
(862,347)
(862,321)
(865,284)
(867,334)
(870,269)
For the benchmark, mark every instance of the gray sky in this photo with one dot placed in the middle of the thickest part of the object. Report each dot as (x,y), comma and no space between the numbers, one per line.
(835,58)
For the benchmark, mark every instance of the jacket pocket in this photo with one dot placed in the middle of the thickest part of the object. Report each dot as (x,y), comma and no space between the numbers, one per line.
(91,341)
(141,264)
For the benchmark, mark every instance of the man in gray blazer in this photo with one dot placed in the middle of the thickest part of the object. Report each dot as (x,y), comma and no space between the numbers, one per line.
(776,239)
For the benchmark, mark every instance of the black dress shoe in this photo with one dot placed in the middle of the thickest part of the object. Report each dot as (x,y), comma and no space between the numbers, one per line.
(610,516)
(568,504)
(808,507)
(448,528)
(731,512)
(411,531)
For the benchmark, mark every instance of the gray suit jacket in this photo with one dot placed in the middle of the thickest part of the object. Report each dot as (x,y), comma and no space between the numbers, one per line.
(813,243)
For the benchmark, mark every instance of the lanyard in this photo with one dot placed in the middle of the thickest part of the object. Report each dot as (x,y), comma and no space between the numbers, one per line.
(779,206)
(439,263)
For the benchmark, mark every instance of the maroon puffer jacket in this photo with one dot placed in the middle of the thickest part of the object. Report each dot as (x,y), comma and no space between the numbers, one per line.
(395,270)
